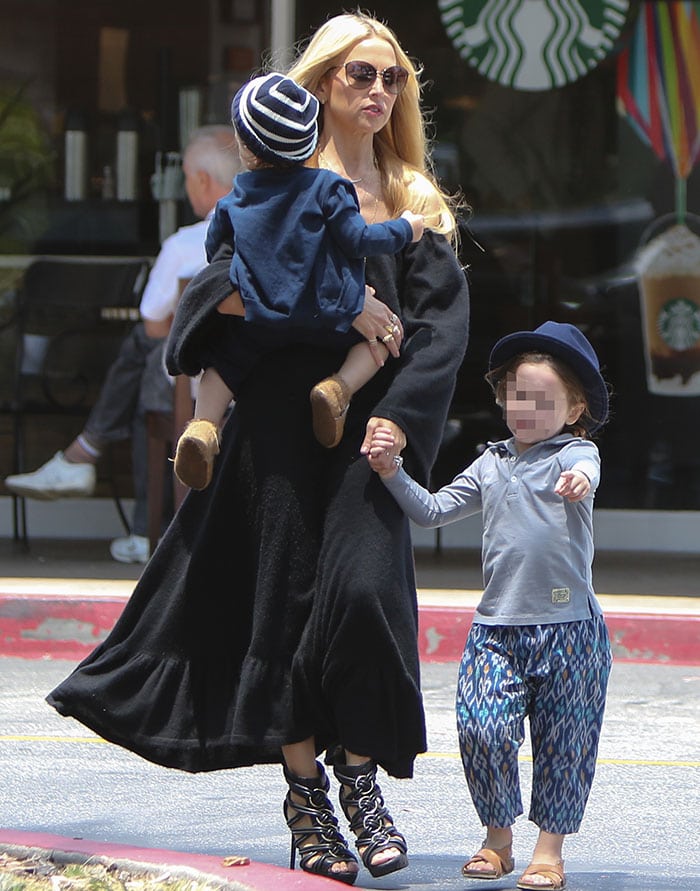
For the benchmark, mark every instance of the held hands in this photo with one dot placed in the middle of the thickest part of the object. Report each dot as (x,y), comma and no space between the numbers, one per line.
(379,326)
(573,484)
(383,442)
(417,222)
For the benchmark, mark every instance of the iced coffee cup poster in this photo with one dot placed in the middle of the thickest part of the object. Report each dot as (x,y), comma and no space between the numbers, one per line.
(658,90)
(546,44)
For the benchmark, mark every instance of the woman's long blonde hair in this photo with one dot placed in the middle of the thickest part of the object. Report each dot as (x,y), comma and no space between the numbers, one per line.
(401,147)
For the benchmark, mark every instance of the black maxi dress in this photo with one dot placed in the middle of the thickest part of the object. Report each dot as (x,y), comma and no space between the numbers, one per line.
(280,603)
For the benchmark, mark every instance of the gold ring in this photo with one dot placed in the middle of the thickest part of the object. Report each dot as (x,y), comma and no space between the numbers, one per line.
(387,338)
(389,328)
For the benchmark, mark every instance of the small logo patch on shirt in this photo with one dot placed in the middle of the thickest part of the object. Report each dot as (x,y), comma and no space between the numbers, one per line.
(561,595)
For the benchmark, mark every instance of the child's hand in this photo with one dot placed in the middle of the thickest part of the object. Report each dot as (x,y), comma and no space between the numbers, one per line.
(379,454)
(417,222)
(573,484)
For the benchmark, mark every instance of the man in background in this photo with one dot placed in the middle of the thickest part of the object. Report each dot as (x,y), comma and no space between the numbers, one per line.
(136,381)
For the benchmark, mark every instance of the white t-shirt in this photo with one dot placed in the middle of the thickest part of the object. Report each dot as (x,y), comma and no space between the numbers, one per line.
(181,255)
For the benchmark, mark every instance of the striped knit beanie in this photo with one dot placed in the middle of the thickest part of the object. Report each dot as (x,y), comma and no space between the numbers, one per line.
(276,119)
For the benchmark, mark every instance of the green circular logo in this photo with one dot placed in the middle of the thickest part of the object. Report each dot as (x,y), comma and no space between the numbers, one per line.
(533,44)
(679,324)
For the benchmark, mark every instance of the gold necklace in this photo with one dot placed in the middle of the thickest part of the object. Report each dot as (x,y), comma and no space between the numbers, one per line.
(374,211)
(375,205)
(323,163)
(375,208)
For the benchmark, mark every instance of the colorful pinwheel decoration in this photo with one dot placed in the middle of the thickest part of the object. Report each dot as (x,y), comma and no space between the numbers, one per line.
(658,86)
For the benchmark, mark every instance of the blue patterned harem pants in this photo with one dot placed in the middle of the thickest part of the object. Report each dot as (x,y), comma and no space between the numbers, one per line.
(557,676)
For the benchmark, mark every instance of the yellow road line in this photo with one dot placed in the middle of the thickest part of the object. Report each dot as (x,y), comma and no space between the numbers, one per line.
(80,739)
(632,762)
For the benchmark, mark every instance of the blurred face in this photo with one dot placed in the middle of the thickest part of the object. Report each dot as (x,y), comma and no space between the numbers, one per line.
(363,106)
(537,404)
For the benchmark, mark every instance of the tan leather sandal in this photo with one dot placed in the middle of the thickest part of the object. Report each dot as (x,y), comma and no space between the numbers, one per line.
(330,399)
(499,859)
(553,872)
(195,453)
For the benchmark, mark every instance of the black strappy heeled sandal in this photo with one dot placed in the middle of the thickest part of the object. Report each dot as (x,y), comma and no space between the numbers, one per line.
(318,841)
(371,822)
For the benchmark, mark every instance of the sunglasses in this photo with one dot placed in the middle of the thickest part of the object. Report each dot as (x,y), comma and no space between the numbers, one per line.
(361,75)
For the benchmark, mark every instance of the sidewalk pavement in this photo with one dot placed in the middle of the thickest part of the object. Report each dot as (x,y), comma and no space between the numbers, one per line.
(58,600)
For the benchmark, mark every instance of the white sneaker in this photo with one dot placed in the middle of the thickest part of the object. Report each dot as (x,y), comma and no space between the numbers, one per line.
(57,478)
(130,549)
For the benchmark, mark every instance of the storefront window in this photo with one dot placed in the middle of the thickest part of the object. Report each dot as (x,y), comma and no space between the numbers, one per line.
(564,190)
(95,99)
(552,156)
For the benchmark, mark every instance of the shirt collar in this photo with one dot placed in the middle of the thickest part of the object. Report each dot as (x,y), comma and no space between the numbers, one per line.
(507,446)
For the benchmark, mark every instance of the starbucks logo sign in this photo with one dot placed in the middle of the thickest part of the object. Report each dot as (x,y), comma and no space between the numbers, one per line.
(533,44)
(679,324)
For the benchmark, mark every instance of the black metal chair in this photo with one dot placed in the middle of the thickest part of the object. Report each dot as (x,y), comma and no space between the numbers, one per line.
(72,314)
(163,431)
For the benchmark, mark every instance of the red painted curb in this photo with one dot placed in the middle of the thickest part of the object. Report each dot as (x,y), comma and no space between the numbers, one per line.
(258,876)
(55,627)
(671,640)
(634,637)
(49,627)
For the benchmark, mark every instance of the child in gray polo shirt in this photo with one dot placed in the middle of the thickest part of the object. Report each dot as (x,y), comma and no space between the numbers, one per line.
(538,646)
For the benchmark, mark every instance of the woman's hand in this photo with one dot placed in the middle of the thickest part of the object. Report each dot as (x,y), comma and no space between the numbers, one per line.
(231,305)
(379,325)
(384,440)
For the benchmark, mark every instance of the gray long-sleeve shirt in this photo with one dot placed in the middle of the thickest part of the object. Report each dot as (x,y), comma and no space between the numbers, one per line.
(537,547)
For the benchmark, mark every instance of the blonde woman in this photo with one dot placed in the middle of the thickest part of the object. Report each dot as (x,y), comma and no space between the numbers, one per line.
(277,619)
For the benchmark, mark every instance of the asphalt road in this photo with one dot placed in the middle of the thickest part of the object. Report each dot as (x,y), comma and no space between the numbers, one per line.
(640,832)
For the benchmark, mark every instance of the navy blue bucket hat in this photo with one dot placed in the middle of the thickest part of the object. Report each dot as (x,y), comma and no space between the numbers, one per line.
(276,119)
(565,342)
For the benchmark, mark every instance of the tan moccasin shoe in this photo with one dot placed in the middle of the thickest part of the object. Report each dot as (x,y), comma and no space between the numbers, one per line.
(329,405)
(195,453)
